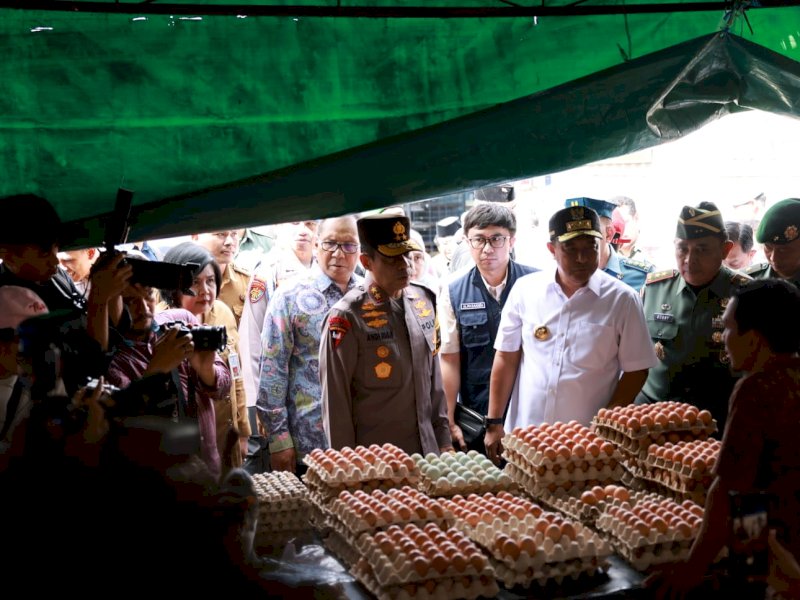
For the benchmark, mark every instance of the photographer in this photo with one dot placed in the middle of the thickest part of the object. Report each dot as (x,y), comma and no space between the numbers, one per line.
(197,378)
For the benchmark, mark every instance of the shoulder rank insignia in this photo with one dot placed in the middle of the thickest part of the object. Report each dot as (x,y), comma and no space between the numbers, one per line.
(661,275)
(756,268)
(638,264)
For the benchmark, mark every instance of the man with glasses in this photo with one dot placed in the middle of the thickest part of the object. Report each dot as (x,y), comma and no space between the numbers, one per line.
(469,312)
(571,340)
(380,377)
(289,403)
(779,231)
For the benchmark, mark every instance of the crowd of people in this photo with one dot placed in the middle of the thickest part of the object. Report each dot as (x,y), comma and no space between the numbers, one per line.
(345,332)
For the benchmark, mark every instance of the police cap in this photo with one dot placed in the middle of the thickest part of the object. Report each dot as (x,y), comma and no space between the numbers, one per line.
(781,223)
(388,234)
(571,222)
(700,221)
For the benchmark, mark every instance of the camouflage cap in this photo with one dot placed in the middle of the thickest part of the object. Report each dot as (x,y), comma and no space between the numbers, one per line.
(700,221)
(571,222)
(781,223)
(603,208)
(388,234)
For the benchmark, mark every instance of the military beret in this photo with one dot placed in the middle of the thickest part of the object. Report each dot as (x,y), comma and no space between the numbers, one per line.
(388,234)
(447,227)
(30,219)
(571,222)
(700,221)
(781,223)
(604,208)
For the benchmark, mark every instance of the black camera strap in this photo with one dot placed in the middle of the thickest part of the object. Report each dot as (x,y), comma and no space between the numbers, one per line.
(12,407)
(186,406)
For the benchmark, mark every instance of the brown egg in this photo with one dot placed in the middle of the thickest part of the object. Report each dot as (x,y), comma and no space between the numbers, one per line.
(704,417)
(593,450)
(568,531)
(553,532)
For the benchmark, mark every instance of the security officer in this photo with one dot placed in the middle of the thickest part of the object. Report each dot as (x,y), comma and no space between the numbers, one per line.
(629,270)
(683,308)
(380,375)
(779,231)
(469,312)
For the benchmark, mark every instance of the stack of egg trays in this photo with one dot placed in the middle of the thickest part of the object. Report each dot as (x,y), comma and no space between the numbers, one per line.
(641,551)
(284,509)
(393,575)
(538,474)
(346,527)
(461,473)
(550,562)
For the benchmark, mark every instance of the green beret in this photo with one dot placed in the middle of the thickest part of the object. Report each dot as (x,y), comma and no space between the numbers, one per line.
(700,221)
(781,223)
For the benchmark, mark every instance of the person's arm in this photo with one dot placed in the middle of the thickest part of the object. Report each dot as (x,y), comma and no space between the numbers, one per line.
(104,304)
(628,386)
(277,345)
(501,383)
(338,357)
(451,382)
(441,425)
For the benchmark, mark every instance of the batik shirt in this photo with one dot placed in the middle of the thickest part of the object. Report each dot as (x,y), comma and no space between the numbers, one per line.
(289,390)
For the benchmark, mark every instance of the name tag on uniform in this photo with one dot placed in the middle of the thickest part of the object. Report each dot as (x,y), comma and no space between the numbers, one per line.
(473,305)
(233,363)
(664,318)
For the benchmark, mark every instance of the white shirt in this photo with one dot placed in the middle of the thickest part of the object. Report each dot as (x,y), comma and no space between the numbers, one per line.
(592,338)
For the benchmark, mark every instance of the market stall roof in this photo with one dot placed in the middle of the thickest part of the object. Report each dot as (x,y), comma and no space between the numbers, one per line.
(231,114)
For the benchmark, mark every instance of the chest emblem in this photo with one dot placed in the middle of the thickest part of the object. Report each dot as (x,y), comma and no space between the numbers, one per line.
(383,370)
(541,333)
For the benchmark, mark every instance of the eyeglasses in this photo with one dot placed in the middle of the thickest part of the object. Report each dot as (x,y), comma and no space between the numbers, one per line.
(347,247)
(496,241)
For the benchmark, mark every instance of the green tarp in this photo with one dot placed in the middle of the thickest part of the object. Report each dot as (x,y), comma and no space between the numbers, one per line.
(217,121)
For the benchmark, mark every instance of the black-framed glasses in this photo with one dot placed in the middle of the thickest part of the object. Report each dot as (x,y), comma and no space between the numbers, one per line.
(347,247)
(495,241)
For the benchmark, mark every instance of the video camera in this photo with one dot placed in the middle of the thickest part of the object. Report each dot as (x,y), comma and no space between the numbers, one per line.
(153,274)
(204,337)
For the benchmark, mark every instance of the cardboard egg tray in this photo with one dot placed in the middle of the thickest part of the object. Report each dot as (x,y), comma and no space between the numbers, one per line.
(638,445)
(326,492)
(610,418)
(460,473)
(426,510)
(394,566)
(571,505)
(536,456)
(670,485)
(280,491)
(567,471)
(536,488)
(341,548)
(344,470)
(684,470)
(548,574)
(469,587)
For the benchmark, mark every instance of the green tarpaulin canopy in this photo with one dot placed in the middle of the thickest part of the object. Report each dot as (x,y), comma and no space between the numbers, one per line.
(229,120)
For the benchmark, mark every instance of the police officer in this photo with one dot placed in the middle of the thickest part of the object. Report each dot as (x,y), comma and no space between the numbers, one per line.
(469,311)
(779,231)
(629,270)
(379,371)
(683,308)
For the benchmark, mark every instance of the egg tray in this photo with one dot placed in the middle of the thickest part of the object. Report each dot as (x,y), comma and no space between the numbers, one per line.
(674,486)
(625,535)
(639,446)
(341,548)
(469,587)
(561,472)
(571,505)
(548,575)
(397,568)
(319,516)
(284,521)
(655,431)
(352,474)
(680,468)
(325,492)
(350,523)
(280,491)
(643,558)
(535,488)
(536,457)
(445,488)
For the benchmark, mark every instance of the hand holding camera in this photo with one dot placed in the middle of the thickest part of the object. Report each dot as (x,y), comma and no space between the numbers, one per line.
(170,351)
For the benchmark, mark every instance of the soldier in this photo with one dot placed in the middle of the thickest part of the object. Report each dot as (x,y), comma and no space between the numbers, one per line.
(684,309)
(469,311)
(779,231)
(223,246)
(629,270)
(378,367)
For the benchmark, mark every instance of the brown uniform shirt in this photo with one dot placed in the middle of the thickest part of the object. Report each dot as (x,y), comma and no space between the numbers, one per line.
(233,289)
(379,371)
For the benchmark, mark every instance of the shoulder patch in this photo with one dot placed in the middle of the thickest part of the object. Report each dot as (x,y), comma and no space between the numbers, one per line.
(639,265)
(756,268)
(257,290)
(423,286)
(661,275)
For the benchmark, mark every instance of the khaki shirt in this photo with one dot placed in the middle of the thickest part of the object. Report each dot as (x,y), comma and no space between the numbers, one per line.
(233,289)
(379,371)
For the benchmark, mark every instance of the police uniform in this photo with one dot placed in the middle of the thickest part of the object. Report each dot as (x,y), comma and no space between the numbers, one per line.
(379,371)
(233,290)
(686,329)
(630,271)
(780,226)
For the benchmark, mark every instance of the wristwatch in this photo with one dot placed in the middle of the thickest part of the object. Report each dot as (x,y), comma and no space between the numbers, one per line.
(498,421)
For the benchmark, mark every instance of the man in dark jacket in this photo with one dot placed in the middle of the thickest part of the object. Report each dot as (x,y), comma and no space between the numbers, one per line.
(469,312)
